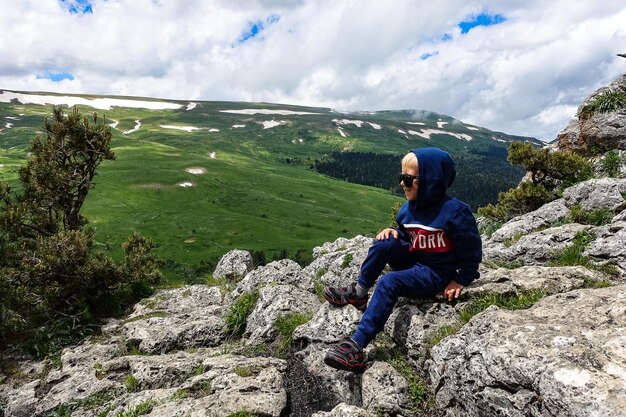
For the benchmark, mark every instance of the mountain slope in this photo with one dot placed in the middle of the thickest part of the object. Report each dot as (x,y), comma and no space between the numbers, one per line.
(203,177)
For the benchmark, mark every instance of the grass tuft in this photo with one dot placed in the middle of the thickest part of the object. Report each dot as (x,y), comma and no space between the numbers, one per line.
(609,101)
(519,301)
(285,326)
(598,217)
(238,313)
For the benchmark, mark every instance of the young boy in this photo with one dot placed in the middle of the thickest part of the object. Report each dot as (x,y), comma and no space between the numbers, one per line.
(435,247)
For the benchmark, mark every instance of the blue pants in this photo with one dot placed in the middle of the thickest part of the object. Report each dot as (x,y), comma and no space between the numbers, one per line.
(409,279)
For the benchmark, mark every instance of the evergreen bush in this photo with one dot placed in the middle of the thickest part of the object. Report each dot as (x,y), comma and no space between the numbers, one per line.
(549,173)
(54,285)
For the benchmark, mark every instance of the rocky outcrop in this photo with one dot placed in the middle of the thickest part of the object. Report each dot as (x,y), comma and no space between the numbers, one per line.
(538,237)
(172,356)
(603,130)
(563,357)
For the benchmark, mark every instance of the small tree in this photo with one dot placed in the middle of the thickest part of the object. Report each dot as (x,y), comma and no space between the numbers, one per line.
(61,169)
(52,282)
(549,173)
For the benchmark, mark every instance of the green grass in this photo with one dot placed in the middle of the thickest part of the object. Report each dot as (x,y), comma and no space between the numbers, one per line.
(285,325)
(598,217)
(518,301)
(608,101)
(131,383)
(139,410)
(573,255)
(238,313)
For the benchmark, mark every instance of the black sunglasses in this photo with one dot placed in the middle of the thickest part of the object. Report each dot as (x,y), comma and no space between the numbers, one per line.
(407,179)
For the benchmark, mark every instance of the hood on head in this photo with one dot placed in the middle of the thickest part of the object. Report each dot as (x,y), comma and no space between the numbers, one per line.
(437,171)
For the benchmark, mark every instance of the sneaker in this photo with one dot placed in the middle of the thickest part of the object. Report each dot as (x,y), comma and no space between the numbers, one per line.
(347,356)
(345,295)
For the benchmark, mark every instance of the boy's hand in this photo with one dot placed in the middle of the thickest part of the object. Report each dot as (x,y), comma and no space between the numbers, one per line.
(384,235)
(452,291)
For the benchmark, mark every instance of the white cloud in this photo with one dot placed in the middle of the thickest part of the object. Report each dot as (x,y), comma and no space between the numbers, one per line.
(525,76)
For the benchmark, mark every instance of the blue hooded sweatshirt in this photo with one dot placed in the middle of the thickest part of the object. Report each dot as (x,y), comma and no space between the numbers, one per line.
(441,230)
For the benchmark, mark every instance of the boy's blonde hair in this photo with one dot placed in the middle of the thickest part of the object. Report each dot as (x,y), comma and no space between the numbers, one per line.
(409,161)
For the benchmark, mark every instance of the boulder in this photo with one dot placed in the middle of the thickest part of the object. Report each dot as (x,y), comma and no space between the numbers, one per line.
(609,245)
(604,130)
(329,325)
(283,272)
(275,302)
(597,194)
(338,263)
(565,356)
(534,248)
(174,320)
(234,265)
(384,390)
(344,410)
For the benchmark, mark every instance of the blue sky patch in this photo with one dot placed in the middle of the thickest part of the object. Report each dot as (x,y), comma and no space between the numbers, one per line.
(482,19)
(257,27)
(77,6)
(56,76)
(427,55)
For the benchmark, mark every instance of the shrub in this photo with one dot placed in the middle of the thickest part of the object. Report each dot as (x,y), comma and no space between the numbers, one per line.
(54,286)
(549,174)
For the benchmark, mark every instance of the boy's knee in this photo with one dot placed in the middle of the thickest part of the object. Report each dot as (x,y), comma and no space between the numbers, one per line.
(387,245)
(387,284)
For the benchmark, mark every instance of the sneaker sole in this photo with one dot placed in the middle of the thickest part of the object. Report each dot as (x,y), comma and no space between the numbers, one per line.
(343,366)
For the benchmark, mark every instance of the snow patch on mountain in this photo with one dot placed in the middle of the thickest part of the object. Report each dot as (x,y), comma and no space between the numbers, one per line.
(185,128)
(268,111)
(427,133)
(268,124)
(97,103)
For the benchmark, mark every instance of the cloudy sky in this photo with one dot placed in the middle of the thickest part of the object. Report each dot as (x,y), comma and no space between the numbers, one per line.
(519,66)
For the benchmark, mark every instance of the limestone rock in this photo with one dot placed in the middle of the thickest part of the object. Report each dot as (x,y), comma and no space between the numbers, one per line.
(343,386)
(534,248)
(606,130)
(329,325)
(338,263)
(283,272)
(344,410)
(609,245)
(559,357)
(234,265)
(174,320)
(550,280)
(595,194)
(384,390)
(543,217)
(273,303)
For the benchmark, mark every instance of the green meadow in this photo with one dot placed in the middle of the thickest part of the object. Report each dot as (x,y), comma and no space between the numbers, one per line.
(225,184)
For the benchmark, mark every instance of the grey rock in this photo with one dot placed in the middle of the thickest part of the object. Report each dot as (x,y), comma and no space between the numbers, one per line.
(329,325)
(275,302)
(284,272)
(234,265)
(384,390)
(534,248)
(606,130)
(609,245)
(414,325)
(174,320)
(596,194)
(338,263)
(344,410)
(557,358)
(550,280)
(543,217)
